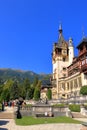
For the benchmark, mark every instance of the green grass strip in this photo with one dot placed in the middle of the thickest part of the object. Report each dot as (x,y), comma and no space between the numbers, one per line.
(33,121)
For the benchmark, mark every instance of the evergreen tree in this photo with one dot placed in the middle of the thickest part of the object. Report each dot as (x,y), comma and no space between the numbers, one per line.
(35,82)
(30,92)
(83,90)
(38,84)
(5,95)
(36,94)
(26,84)
(22,92)
(14,91)
(49,94)
(26,87)
(1,89)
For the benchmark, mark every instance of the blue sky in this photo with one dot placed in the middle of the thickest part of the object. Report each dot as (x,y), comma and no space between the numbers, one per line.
(28,29)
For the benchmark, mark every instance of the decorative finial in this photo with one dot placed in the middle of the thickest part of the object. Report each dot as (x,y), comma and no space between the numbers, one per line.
(60,27)
(60,30)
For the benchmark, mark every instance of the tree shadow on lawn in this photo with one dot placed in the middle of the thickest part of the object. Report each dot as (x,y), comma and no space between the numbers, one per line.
(3,122)
(3,129)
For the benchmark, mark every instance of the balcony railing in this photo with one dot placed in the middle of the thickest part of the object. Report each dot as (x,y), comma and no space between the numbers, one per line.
(84,65)
(75,65)
(84,62)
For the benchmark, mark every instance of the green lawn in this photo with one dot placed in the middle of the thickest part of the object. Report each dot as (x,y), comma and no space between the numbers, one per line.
(32,121)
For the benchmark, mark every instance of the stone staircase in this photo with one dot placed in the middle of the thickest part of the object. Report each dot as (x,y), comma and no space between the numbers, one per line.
(7,114)
(77,115)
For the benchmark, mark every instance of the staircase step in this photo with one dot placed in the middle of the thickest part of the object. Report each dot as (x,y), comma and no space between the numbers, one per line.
(4,115)
(77,115)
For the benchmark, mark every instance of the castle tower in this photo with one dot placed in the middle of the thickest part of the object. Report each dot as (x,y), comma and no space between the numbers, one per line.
(69,72)
(71,51)
(60,61)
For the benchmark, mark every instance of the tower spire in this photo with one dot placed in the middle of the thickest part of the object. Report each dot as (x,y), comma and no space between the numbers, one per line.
(60,39)
(60,28)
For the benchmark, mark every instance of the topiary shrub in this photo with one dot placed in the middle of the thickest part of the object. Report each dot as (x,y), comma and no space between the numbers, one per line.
(74,107)
(59,105)
(49,94)
(36,94)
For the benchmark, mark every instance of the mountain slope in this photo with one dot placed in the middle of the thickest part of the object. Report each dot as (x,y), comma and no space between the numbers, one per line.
(20,75)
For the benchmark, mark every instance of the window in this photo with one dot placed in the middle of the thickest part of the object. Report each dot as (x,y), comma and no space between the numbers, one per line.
(64,75)
(71,85)
(67,86)
(75,83)
(63,95)
(63,87)
(64,59)
(64,68)
(80,82)
(59,51)
(83,62)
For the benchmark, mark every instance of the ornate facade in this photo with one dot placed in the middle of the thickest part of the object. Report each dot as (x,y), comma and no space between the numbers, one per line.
(69,72)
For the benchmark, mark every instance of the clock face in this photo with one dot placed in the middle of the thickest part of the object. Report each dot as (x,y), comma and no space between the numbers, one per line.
(64,51)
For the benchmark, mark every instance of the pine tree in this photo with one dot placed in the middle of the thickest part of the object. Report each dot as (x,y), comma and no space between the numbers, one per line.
(36,94)
(49,94)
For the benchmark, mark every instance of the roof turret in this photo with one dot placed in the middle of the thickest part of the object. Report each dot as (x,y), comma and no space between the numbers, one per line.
(70,42)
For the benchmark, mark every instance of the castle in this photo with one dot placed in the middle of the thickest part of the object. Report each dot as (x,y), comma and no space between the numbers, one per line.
(69,72)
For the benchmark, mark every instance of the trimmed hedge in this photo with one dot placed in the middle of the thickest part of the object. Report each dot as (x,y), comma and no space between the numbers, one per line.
(74,107)
(59,105)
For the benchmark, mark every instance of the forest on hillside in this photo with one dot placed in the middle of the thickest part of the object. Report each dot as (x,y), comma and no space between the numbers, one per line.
(15,84)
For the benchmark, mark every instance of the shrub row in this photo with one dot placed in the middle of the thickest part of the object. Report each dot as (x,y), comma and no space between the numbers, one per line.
(74,107)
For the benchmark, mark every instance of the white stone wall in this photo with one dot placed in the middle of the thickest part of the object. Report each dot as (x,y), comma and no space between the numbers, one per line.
(84,79)
(71,55)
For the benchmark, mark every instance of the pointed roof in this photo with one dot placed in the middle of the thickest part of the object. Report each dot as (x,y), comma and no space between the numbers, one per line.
(84,40)
(61,41)
(61,38)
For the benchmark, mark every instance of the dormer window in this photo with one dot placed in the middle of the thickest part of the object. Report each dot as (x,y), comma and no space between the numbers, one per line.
(59,51)
(81,48)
